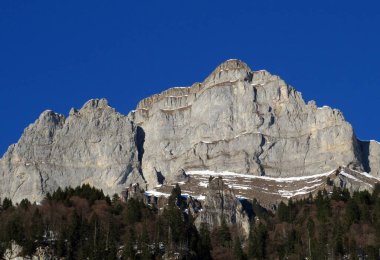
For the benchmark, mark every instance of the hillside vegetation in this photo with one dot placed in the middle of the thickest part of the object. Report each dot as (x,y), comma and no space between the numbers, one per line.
(83,223)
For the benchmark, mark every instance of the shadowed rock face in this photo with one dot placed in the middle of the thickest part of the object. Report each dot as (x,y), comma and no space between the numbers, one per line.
(237,120)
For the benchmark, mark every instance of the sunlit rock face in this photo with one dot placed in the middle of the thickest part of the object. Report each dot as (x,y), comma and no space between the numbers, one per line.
(242,121)
(94,145)
(237,120)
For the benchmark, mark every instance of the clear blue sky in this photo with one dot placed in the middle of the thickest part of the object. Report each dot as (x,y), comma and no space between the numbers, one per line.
(58,54)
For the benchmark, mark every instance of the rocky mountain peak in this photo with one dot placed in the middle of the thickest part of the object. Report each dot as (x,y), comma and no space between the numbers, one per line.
(233,64)
(95,103)
(229,71)
(248,123)
(50,116)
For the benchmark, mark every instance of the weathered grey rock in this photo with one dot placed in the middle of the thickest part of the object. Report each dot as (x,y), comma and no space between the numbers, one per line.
(243,121)
(351,180)
(236,120)
(94,145)
(221,203)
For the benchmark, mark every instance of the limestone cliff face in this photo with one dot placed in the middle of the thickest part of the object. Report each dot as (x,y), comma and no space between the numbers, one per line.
(221,203)
(94,145)
(242,121)
(236,120)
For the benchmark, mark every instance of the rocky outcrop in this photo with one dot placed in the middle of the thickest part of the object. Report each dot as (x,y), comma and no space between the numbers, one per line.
(243,121)
(221,203)
(352,180)
(237,120)
(94,145)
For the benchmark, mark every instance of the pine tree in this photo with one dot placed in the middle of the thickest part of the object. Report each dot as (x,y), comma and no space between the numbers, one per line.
(145,244)
(133,211)
(238,251)
(338,240)
(224,234)
(25,204)
(336,194)
(115,198)
(352,212)
(7,203)
(205,246)
(129,252)
(257,241)
(283,212)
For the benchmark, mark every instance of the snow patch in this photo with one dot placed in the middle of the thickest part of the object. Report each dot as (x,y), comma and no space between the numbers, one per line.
(156,193)
(349,176)
(240,187)
(203,184)
(276,179)
(366,174)
(305,190)
(201,197)
(314,181)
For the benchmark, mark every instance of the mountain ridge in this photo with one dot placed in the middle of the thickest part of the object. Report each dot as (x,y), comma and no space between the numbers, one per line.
(237,120)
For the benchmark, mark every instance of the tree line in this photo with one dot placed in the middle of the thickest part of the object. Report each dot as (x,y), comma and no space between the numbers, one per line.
(83,223)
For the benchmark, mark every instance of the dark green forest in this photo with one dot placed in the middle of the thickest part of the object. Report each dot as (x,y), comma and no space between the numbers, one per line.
(83,223)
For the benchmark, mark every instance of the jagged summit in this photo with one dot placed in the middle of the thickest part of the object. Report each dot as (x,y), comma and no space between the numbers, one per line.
(228,71)
(232,64)
(248,123)
(96,103)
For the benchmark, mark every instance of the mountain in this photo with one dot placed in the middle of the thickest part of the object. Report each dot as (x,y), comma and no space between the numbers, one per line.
(249,126)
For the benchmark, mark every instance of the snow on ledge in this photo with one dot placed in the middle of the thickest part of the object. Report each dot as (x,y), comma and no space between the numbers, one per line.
(156,193)
(350,176)
(276,179)
(366,174)
(303,191)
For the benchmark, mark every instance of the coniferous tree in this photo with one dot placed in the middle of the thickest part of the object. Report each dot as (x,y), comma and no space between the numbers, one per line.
(24,204)
(238,251)
(205,246)
(14,230)
(133,211)
(145,245)
(283,212)
(224,234)
(257,241)
(115,198)
(336,194)
(338,240)
(7,203)
(129,251)
(352,212)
